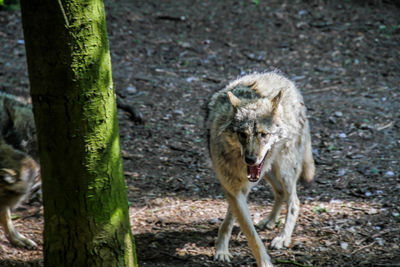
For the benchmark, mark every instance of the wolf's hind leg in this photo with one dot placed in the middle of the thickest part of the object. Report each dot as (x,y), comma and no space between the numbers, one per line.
(293,207)
(12,234)
(224,234)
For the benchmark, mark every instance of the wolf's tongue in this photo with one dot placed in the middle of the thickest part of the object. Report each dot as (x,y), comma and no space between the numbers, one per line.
(253,172)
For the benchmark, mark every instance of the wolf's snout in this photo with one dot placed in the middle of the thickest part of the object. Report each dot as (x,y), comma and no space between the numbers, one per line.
(250,160)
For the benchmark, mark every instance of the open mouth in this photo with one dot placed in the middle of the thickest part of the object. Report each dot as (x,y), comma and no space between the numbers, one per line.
(254,171)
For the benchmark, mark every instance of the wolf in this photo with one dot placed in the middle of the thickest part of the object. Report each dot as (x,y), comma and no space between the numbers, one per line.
(19,172)
(17,125)
(257,128)
(19,177)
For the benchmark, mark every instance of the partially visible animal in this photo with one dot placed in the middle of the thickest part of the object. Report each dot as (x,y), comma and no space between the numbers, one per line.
(257,128)
(17,126)
(19,172)
(19,178)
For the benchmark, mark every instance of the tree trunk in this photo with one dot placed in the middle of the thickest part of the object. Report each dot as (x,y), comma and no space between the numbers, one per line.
(84,193)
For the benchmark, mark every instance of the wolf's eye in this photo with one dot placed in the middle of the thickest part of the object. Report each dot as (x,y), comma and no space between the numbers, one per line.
(242,135)
(263,135)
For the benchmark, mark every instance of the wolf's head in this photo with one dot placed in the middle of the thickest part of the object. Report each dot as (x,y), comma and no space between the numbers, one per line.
(19,126)
(256,125)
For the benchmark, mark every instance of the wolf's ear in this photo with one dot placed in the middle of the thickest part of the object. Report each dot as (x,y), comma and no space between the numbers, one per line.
(8,176)
(276,100)
(233,99)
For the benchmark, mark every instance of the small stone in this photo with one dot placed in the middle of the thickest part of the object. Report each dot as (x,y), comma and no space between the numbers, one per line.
(389,174)
(338,114)
(179,111)
(380,241)
(303,12)
(185,44)
(164,159)
(344,245)
(332,120)
(131,89)
(341,172)
(192,79)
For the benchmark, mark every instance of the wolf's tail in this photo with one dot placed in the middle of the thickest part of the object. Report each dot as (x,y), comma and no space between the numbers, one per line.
(308,171)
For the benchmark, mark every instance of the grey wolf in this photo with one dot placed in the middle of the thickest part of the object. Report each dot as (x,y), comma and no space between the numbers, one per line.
(19,172)
(17,126)
(19,177)
(257,128)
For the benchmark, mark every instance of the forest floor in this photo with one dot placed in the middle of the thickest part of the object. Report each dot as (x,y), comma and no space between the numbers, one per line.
(170,56)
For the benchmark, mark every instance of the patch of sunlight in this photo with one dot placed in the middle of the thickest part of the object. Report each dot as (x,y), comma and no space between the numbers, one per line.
(129,251)
(117,217)
(191,249)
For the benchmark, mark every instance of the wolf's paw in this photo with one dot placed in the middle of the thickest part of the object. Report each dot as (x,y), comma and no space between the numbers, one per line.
(24,242)
(280,242)
(266,223)
(222,255)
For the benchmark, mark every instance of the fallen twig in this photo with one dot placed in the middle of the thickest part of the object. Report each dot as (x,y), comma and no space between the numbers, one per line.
(173,18)
(361,248)
(390,124)
(322,90)
(136,115)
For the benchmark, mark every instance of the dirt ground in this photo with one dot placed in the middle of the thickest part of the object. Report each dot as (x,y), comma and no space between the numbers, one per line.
(170,56)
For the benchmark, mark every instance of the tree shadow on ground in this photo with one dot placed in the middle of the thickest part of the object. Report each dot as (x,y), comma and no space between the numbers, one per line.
(14,263)
(180,248)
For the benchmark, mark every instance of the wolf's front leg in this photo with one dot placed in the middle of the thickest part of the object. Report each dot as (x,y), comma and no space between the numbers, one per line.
(224,234)
(240,209)
(12,234)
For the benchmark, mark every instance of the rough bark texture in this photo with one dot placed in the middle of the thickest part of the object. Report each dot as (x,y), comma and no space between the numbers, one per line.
(84,193)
